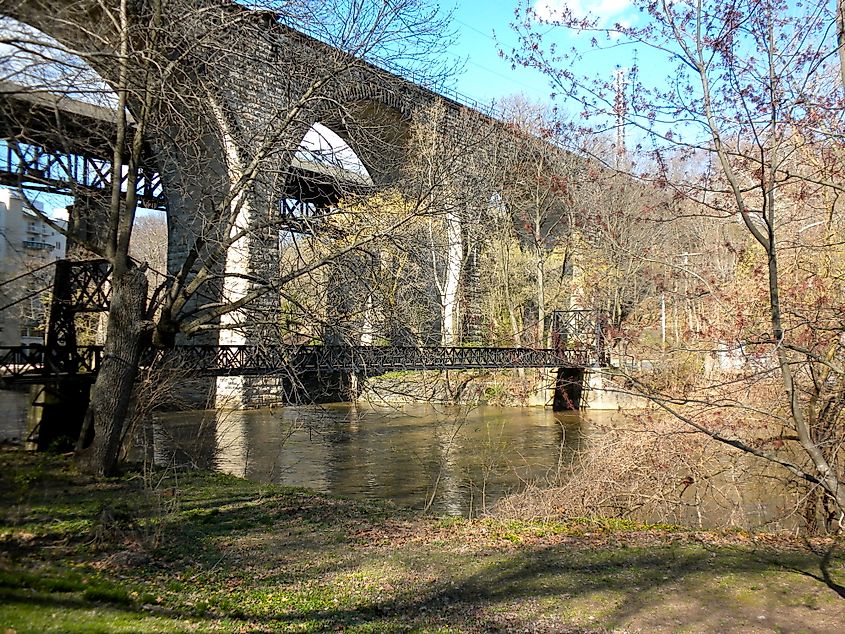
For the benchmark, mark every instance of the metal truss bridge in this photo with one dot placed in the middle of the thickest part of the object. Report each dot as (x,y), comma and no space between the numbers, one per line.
(82,287)
(59,145)
(40,364)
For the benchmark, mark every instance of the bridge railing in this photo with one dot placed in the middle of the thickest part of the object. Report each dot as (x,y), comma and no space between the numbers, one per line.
(21,364)
(246,360)
(416,77)
(39,363)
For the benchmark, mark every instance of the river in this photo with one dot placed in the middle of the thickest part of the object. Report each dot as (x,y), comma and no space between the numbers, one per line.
(454,460)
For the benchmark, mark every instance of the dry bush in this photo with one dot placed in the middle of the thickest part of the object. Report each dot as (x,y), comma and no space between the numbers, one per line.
(650,469)
(156,388)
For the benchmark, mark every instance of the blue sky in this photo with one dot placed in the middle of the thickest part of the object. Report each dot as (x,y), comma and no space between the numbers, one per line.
(489,77)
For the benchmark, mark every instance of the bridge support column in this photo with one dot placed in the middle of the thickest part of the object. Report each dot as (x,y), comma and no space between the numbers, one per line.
(252,264)
(58,408)
(543,392)
(472,315)
(55,416)
(88,221)
(240,256)
(325,387)
(192,173)
(569,389)
(603,392)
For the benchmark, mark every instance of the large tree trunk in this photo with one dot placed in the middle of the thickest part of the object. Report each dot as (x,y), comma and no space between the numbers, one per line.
(126,340)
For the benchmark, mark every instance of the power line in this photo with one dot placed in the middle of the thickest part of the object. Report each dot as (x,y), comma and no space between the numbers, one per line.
(490,70)
(498,74)
(33,271)
(472,28)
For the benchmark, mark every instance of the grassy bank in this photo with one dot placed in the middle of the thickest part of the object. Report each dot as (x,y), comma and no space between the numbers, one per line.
(197,552)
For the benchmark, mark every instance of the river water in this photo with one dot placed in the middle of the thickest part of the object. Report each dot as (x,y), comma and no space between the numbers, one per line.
(451,459)
(454,460)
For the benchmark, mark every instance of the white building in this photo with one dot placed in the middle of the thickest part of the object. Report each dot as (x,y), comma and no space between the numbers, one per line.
(27,245)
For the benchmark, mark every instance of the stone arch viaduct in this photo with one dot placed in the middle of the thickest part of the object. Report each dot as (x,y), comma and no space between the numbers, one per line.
(235,93)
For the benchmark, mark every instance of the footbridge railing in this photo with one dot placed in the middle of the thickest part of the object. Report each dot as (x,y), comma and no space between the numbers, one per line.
(34,363)
(251,360)
(37,363)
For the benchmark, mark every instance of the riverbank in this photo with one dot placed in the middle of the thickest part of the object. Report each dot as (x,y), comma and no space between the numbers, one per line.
(200,552)
(499,388)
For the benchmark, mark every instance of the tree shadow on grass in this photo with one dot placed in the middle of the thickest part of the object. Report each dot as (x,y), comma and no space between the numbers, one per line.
(507,592)
(503,595)
(615,584)
(825,574)
(281,560)
(510,593)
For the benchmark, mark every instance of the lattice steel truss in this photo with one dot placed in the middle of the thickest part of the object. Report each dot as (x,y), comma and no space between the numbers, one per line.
(29,363)
(256,360)
(40,168)
(581,331)
(78,287)
(578,338)
(39,364)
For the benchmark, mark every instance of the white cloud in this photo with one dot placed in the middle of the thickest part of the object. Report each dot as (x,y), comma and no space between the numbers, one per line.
(606,12)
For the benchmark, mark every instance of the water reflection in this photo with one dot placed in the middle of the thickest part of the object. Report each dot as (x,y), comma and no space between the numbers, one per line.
(13,412)
(453,459)
(457,460)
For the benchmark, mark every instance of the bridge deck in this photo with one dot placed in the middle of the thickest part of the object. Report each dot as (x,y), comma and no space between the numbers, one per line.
(33,364)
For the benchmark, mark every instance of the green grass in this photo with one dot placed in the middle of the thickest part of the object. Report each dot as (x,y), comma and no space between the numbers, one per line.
(200,552)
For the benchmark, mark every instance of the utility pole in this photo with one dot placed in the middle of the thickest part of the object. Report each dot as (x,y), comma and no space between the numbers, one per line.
(620,107)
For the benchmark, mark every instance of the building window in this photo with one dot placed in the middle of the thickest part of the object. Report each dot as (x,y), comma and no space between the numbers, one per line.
(38,246)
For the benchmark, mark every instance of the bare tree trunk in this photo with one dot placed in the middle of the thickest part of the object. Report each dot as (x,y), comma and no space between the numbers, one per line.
(112,393)
(840,38)
(454,259)
(540,267)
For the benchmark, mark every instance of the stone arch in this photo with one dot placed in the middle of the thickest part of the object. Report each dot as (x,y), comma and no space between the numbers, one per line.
(324,168)
(186,143)
(187,129)
(376,131)
(168,148)
(207,132)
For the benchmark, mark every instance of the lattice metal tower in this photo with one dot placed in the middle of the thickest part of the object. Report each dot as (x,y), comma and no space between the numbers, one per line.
(620,108)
